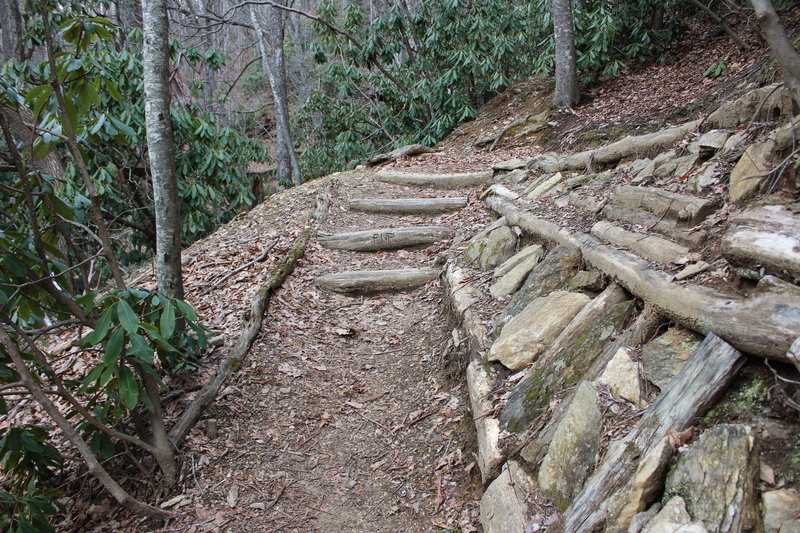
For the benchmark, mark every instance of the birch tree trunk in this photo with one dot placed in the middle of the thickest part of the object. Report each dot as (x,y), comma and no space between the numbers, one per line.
(161,147)
(567,91)
(273,61)
(781,46)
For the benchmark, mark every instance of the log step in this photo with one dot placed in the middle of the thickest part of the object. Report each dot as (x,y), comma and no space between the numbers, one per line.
(386,238)
(371,281)
(437,181)
(407,206)
(682,208)
(646,246)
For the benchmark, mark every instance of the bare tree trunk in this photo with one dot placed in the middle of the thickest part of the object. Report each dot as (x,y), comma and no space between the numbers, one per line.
(161,147)
(12,42)
(129,13)
(781,46)
(567,91)
(274,64)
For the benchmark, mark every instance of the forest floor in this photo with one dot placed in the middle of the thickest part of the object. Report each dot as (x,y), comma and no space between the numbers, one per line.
(351,414)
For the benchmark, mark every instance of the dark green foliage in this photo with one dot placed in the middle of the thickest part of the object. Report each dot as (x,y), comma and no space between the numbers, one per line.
(449,58)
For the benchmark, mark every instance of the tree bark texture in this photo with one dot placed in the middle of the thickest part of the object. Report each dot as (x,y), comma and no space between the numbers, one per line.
(12,42)
(567,90)
(161,147)
(781,46)
(273,61)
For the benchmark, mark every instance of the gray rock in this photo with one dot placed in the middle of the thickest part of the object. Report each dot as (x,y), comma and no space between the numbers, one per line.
(573,450)
(517,176)
(552,273)
(792,526)
(751,170)
(773,102)
(622,376)
(676,167)
(510,164)
(664,356)
(718,478)
(504,508)
(500,245)
(673,518)
(536,250)
(480,385)
(533,394)
(529,333)
(548,163)
(590,280)
(546,185)
(780,506)
(578,181)
(712,141)
(734,146)
(640,520)
(511,282)
(706,176)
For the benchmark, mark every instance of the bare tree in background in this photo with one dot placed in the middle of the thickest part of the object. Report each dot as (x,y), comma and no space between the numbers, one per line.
(567,90)
(273,61)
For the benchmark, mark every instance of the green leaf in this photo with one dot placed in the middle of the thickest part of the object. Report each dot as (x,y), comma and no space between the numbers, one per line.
(141,348)
(114,347)
(128,388)
(127,318)
(167,322)
(100,330)
(186,310)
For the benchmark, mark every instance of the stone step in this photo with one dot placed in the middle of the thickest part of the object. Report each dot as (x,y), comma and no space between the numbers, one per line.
(664,226)
(386,238)
(372,281)
(436,181)
(407,206)
(645,246)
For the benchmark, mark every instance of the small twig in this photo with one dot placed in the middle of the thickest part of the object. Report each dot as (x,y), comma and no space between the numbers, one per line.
(243,267)
(657,222)
(374,422)
(277,497)
(439,493)
(420,418)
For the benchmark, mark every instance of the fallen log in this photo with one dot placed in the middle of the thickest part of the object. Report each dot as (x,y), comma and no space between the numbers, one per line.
(405,151)
(682,208)
(407,206)
(437,181)
(665,226)
(371,281)
(386,239)
(689,395)
(765,324)
(766,237)
(252,325)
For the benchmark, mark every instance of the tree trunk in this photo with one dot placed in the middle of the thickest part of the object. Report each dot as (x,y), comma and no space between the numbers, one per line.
(781,46)
(567,91)
(161,147)
(12,37)
(273,62)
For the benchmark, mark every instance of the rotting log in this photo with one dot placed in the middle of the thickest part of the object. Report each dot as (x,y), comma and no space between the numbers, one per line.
(766,237)
(252,325)
(386,238)
(405,151)
(689,394)
(436,181)
(646,246)
(372,281)
(765,324)
(407,206)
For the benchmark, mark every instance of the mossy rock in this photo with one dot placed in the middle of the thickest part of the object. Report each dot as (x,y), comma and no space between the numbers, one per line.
(552,273)
(532,395)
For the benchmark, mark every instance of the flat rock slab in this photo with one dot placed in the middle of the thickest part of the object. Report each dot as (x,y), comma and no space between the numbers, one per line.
(529,333)
(664,356)
(683,208)
(766,237)
(386,238)
(437,181)
(407,206)
(504,506)
(370,281)
(647,246)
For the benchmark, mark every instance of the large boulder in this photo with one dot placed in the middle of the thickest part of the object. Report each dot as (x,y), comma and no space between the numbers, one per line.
(718,478)
(573,450)
(500,245)
(529,333)
(751,170)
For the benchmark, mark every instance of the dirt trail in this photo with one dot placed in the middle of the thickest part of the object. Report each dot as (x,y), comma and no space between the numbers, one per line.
(350,413)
